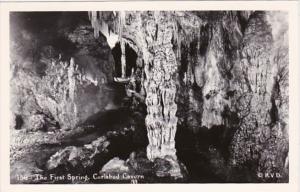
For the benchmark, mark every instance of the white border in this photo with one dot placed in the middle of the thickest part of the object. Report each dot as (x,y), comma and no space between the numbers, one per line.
(290,6)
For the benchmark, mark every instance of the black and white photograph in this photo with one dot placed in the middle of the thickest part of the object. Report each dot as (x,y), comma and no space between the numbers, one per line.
(149,97)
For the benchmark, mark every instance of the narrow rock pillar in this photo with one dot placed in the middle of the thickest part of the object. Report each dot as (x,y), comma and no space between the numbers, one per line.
(160,87)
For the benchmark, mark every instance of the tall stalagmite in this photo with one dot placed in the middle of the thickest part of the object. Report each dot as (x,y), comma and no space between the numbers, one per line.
(160,86)
(151,35)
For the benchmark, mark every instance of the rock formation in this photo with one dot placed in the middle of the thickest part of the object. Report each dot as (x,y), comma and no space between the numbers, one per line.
(227,66)
(219,76)
(85,156)
(151,35)
(65,86)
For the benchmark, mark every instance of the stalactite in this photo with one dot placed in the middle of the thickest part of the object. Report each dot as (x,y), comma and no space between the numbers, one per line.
(100,24)
(123,59)
(121,23)
(95,23)
(112,29)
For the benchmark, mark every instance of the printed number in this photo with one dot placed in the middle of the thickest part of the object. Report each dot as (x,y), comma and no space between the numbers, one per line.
(134,181)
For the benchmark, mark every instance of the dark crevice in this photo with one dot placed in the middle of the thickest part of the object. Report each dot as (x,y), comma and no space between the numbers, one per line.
(156,31)
(116,52)
(274,112)
(184,62)
(242,21)
(131,58)
(204,40)
(19,122)
(207,96)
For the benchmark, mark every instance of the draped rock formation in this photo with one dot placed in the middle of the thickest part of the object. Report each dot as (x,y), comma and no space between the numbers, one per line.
(210,70)
(151,34)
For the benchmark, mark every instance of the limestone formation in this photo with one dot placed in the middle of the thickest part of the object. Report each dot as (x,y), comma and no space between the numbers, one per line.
(222,69)
(60,90)
(216,82)
(151,34)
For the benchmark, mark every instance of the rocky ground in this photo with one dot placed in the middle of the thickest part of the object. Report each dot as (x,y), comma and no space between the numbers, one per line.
(86,152)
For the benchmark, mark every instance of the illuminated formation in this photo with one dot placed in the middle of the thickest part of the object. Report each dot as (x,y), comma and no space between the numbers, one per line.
(151,35)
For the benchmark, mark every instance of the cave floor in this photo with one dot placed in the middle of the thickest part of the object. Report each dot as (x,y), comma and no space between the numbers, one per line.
(31,150)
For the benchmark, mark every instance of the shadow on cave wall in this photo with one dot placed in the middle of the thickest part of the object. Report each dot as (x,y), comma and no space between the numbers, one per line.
(198,150)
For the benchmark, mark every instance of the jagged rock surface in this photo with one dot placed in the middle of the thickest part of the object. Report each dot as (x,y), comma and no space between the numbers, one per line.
(115,165)
(168,169)
(67,76)
(86,156)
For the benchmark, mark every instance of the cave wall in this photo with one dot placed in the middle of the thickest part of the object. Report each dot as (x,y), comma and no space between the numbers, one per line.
(233,79)
(60,75)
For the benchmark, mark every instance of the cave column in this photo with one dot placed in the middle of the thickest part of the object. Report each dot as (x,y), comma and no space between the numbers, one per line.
(153,33)
(122,43)
(160,86)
